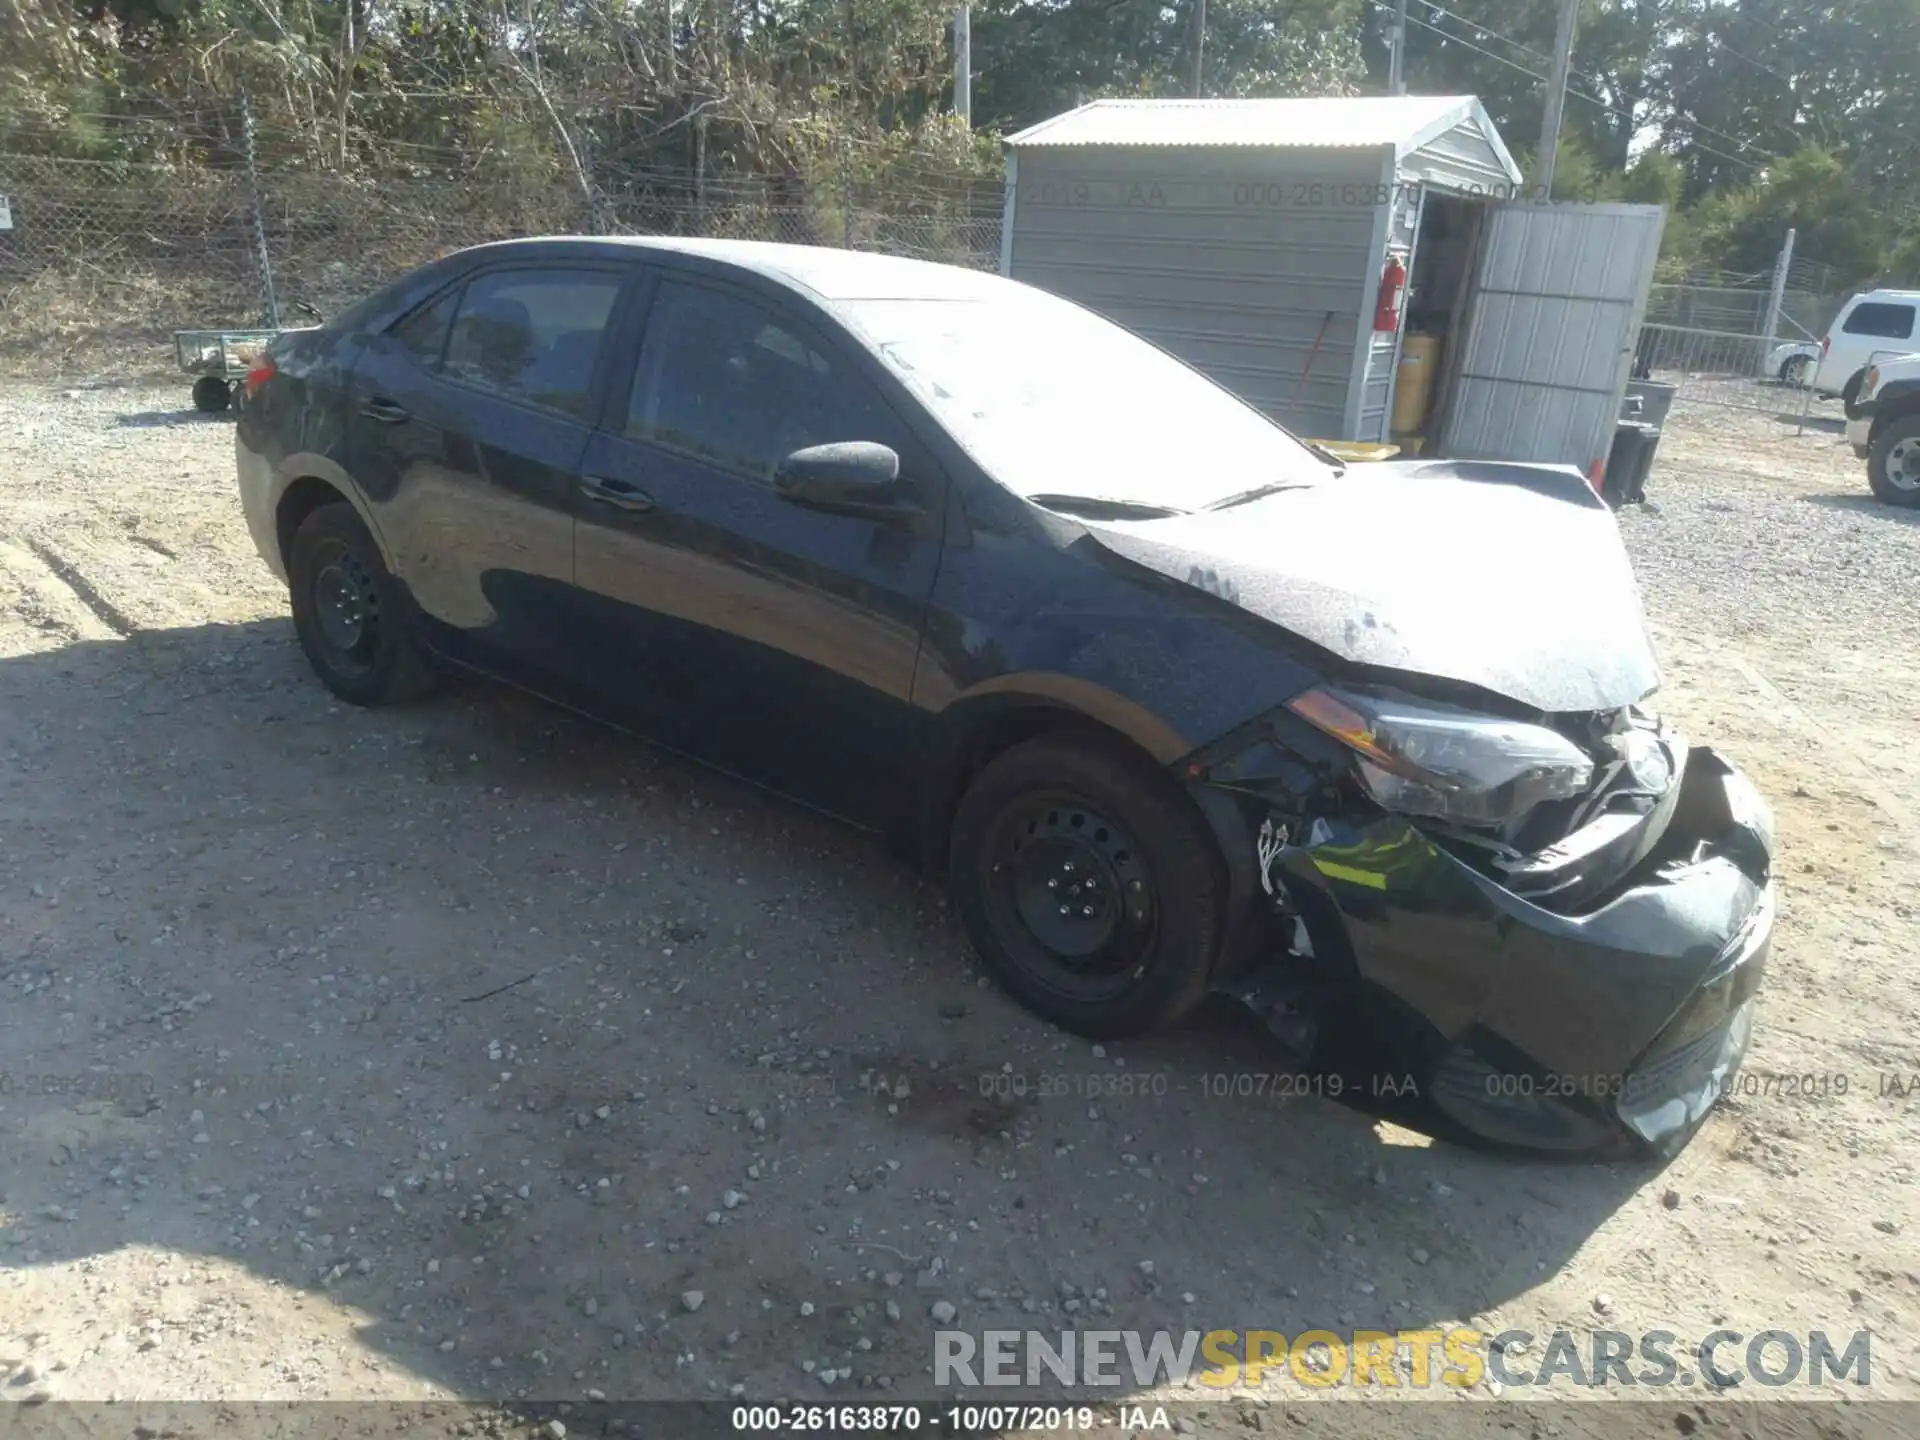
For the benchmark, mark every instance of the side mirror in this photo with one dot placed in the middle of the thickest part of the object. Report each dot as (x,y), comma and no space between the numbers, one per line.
(854,477)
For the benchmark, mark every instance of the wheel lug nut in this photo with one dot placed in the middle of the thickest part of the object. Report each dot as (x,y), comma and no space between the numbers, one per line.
(1087,910)
(1053,884)
(1066,909)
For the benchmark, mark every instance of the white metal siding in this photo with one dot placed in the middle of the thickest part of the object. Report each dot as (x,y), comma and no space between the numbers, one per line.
(1233,261)
(1464,160)
(1559,297)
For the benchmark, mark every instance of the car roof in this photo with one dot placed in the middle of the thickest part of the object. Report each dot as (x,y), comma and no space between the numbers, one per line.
(1885,295)
(829,274)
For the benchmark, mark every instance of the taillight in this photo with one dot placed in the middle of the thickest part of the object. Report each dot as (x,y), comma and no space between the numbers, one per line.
(1825,340)
(262,371)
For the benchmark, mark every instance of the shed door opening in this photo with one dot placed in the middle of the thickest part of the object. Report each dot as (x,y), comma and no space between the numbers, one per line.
(1437,290)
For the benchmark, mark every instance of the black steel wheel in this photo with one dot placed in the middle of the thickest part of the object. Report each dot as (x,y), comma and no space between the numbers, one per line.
(211,394)
(1064,875)
(1089,884)
(350,613)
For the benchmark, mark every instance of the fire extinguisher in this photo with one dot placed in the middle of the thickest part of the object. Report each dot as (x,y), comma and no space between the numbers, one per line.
(1393,284)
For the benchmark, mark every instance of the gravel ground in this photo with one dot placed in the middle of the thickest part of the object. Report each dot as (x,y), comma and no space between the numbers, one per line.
(469,1051)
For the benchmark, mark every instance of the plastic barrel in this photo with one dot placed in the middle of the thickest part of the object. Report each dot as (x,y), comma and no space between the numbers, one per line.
(1413,382)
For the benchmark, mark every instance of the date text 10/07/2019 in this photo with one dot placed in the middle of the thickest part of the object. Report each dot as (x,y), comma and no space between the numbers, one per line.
(1010,1084)
(916,1419)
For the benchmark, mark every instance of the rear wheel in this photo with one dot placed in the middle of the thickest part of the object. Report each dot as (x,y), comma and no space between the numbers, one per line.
(1090,886)
(211,394)
(1793,371)
(350,613)
(1850,394)
(1893,463)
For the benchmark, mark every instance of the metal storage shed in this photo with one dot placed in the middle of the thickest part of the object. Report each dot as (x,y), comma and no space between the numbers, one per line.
(1249,237)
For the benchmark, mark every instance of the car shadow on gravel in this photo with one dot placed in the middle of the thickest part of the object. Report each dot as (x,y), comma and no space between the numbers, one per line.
(1867,507)
(1826,424)
(167,419)
(569,1066)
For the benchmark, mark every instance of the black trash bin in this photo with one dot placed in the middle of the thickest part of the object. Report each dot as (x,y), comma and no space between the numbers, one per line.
(1628,462)
(1656,399)
(1643,465)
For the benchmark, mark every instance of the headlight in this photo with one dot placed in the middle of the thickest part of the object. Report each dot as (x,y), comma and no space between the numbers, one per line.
(1420,758)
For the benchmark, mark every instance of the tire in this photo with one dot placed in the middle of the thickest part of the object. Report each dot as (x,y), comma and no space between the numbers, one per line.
(1893,463)
(1078,817)
(1850,393)
(211,394)
(353,618)
(1793,371)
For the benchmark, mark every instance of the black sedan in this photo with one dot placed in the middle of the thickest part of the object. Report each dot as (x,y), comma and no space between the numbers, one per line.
(1177,702)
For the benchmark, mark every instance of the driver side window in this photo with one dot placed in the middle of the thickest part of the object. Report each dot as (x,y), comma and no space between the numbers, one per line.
(729,379)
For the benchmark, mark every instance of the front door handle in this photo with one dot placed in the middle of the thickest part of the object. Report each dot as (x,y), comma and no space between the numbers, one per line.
(385,411)
(618,493)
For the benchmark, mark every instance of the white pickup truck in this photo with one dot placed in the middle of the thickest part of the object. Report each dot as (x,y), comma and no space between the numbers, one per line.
(1870,326)
(1883,426)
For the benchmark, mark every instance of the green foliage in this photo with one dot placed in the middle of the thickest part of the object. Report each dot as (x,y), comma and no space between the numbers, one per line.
(1810,192)
(1744,117)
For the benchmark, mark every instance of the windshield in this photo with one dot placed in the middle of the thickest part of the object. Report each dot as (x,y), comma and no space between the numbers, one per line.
(1055,400)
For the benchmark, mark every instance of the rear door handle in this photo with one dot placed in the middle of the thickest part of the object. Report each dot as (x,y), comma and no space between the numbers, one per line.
(385,411)
(618,493)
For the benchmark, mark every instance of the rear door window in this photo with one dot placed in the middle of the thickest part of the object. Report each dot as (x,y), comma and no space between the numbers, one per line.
(533,335)
(1881,318)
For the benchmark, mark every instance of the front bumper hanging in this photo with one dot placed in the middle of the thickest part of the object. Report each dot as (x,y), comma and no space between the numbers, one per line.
(1496,1019)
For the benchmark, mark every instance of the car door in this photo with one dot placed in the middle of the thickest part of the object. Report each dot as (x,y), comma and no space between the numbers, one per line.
(467,423)
(774,640)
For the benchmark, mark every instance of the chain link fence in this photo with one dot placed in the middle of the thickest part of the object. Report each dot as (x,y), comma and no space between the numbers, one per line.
(1709,337)
(105,259)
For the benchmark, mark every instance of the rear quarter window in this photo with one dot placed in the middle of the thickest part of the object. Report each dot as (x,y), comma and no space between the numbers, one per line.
(424,332)
(1886,319)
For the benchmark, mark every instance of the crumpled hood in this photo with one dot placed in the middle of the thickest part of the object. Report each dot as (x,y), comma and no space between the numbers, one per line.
(1510,577)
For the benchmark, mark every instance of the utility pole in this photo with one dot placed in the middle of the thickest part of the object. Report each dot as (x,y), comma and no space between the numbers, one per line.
(1776,297)
(846,129)
(262,256)
(1556,94)
(1199,44)
(963,64)
(1397,65)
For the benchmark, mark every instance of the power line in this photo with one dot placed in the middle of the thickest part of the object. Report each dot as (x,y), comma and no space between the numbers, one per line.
(1603,106)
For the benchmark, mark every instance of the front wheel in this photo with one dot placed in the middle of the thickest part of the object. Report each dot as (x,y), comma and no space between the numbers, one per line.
(351,614)
(1850,394)
(1090,886)
(1893,463)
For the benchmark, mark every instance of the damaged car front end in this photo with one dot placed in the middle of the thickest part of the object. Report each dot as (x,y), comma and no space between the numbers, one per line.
(1545,933)
(1485,868)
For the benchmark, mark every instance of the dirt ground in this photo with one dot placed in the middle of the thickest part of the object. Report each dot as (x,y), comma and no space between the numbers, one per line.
(468,1051)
